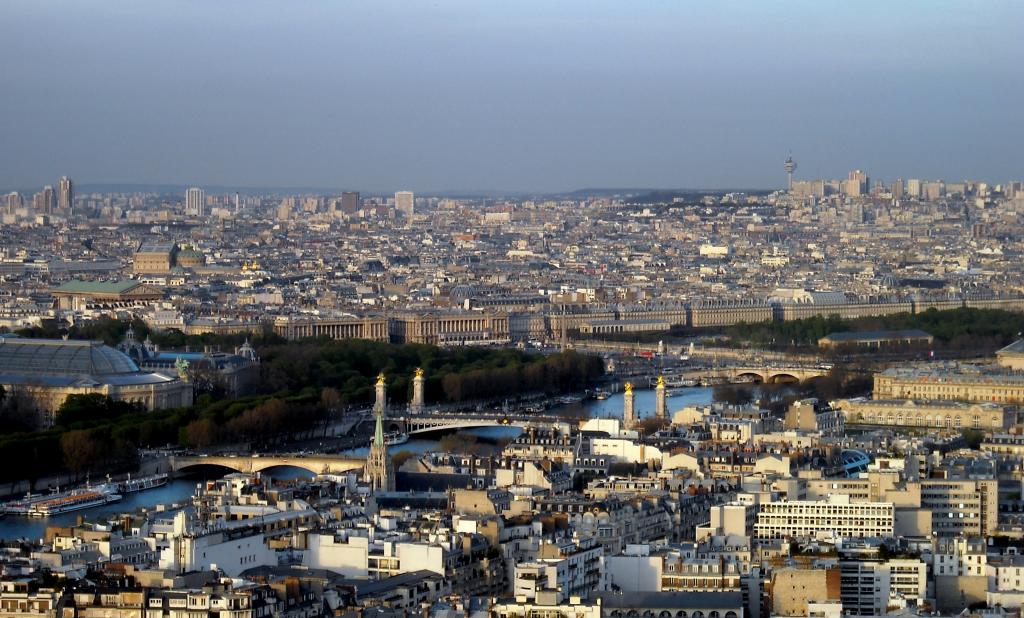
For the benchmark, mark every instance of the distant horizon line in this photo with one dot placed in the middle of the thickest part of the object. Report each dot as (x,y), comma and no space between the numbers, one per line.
(116,187)
(149,187)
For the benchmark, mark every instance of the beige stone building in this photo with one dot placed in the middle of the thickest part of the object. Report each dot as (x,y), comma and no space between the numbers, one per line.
(973,384)
(609,327)
(810,415)
(1012,356)
(154,257)
(792,589)
(796,304)
(45,372)
(373,328)
(87,295)
(962,506)
(952,415)
(450,328)
(956,506)
(724,312)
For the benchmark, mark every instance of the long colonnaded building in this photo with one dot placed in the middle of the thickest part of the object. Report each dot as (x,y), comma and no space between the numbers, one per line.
(498,323)
(450,328)
(373,328)
(953,415)
(85,295)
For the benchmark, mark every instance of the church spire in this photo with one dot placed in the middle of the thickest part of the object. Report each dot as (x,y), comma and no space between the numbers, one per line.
(378,431)
(378,473)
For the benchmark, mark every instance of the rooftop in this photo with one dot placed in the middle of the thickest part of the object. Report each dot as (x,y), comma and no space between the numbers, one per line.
(59,357)
(1014,349)
(968,374)
(156,246)
(97,287)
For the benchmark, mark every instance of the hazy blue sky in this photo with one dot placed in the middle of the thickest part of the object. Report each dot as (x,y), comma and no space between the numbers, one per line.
(507,95)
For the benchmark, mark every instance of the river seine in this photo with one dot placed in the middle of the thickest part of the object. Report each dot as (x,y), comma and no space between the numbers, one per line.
(179,490)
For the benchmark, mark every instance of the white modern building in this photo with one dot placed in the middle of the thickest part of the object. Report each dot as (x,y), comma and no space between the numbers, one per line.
(834,518)
(354,555)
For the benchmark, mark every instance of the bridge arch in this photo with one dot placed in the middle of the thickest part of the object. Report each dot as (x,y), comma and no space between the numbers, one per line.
(194,466)
(322,464)
(783,378)
(750,375)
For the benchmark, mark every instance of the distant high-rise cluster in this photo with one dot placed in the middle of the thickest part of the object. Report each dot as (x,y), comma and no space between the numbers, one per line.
(45,201)
(858,184)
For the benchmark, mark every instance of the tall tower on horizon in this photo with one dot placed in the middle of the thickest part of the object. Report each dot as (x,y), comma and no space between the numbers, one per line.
(790,168)
(404,203)
(65,194)
(14,202)
(45,201)
(350,202)
(195,202)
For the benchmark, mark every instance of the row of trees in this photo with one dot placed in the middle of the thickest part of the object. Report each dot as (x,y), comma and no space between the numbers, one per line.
(351,366)
(792,333)
(964,329)
(562,372)
(451,374)
(304,386)
(95,434)
(266,423)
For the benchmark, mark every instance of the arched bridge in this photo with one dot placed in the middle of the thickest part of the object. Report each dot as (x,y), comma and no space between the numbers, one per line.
(317,464)
(779,374)
(423,423)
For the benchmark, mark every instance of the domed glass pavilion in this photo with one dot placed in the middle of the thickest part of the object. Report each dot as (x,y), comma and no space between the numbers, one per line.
(46,371)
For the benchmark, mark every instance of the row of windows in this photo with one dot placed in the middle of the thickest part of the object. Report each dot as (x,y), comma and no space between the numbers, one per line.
(633,613)
(790,510)
(946,421)
(798,521)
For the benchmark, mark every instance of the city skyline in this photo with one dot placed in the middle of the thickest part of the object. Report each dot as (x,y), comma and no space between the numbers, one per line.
(587,309)
(788,185)
(521,98)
